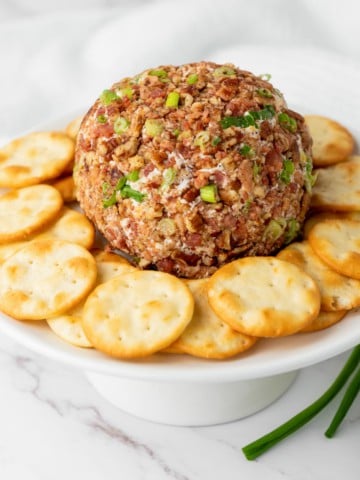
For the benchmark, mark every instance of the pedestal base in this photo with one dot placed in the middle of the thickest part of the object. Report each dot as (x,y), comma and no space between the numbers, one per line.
(191,404)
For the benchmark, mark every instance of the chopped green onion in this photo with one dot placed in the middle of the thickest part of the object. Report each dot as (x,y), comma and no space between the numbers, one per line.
(108,202)
(128,192)
(125,92)
(256,169)
(176,132)
(120,183)
(287,171)
(161,74)
(133,176)
(202,139)
(107,97)
(121,125)
(247,205)
(101,119)
(209,193)
(293,227)
(348,398)
(172,100)
(224,71)
(287,122)
(169,175)
(274,229)
(264,92)
(265,76)
(310,178)
(215,141)
(192,78)
(249,118)
(260,446)
(246,150)
(153,127)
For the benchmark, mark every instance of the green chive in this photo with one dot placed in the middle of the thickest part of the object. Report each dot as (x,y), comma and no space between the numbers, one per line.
(153,127)
(293,228)
(287,122)
(169,175)
(224,71)
(133,176)
(310,179)
(264,92)
(249,118)
(121,125)
(256,170)
(125,92)
(120,183)
(107,97)
(176,132)
(160,73)
(287,171)
(215,141)
(348,398)
(260,446)
(274,229)
(172,100)
(128,192)
(192,78)
(101,119)
(108,202)
(246,150)
(209,193)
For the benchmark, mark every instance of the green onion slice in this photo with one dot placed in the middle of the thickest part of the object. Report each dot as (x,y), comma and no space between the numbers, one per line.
(125,92)
(249,118)
(246,150)
(192,78)
(287,122)
(287,171)
(101,119)
(133,176)
(264,92)
(107,97)
(121,125)
(202,139)
(292,230)
(208,193)
(172,100)
(128,192)
(160,73)
(265,76)
(224,71)
(275,229)
(169,175)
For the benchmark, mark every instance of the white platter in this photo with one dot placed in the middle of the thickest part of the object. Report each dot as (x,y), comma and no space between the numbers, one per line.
(184,390)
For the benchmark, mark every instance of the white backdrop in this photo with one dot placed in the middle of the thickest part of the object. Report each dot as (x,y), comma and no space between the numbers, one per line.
(56,56)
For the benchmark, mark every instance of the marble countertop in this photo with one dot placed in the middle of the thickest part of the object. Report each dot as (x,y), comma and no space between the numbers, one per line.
(53,424)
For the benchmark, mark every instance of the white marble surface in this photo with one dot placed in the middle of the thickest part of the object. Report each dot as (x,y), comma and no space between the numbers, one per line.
(55,58)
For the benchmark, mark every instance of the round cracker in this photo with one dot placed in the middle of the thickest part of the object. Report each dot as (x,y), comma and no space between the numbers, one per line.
(66,188)
(338,292)
(325,320)
(207,335)
(137,314)
(332,142)
(69,325)
(45,278)
(72,128)
(24,211)
(337,243)
(337,187)
(320,217)
(264,296)
(34,158)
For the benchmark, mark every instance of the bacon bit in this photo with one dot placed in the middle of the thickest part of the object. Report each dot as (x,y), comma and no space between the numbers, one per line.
(165,265)
(190,194)
(220,178)
(148,169)
(190,259)
(201,179)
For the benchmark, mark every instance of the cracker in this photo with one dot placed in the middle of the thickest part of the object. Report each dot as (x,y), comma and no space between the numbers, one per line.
(137,314)
(34,158)
(45,278)
(264,296)
(72,128)
(69,325)
(26,210)
(337,187)
(338,292)
(66,188)
(320,217)
(207,335)
(325,320)
(337,242)
(332,142)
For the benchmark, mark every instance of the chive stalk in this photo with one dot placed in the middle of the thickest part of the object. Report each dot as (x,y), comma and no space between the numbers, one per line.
(261,445)
(348,398)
